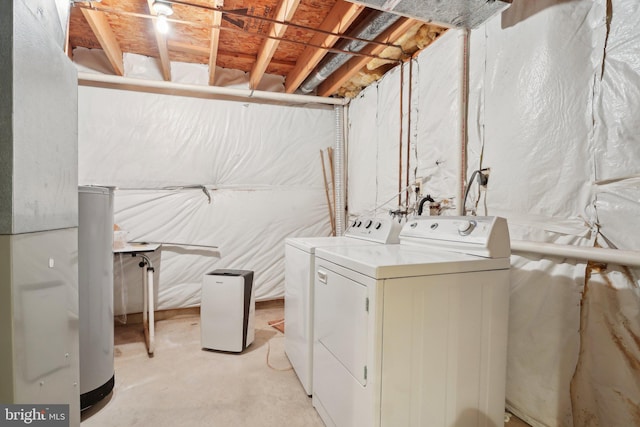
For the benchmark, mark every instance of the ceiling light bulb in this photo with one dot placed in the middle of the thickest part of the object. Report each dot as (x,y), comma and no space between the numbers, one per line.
(161,24)
(162,8)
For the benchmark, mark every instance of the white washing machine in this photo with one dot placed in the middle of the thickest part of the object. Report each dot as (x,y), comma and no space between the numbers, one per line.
(414,334)
(299,284)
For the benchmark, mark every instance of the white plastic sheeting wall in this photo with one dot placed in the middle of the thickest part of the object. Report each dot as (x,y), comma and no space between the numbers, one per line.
(373,175)
(610,321)
(553,113)
(259,163)
(537,123)
(433,138)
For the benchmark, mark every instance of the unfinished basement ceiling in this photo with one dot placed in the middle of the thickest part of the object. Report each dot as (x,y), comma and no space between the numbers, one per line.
(353,44)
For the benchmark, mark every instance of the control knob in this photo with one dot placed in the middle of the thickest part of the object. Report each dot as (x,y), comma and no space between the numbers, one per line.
(466,227)
(368,224)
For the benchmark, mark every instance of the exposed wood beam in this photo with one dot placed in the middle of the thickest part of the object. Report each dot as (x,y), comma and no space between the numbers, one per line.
(285,11)
(67,46)
(340,17)
(161,41)
(188,48)
(204,51)
(355,64)
(107,39)
(213,47)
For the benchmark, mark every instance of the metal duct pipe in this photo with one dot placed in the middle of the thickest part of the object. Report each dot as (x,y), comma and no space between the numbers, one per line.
(369,30)
(450,13)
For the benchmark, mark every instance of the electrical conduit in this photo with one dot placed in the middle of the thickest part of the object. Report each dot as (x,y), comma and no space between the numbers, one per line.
(339,171)
(215,92)
(613,256)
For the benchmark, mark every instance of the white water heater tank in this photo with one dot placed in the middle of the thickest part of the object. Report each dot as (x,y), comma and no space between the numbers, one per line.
(95,292)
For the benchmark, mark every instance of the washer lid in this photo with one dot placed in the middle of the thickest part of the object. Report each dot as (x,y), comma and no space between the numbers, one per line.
(309,244)
(395,261)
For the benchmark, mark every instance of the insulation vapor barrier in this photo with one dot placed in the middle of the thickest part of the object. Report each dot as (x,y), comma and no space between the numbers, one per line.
(437,113)
(239,229)
(373,150)
(434,133)
(234,179)
(553,110)
(616,142)
(611,314)
(534,109)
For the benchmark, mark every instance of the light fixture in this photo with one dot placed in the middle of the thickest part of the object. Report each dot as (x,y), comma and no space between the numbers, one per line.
(161,24)
(162,9)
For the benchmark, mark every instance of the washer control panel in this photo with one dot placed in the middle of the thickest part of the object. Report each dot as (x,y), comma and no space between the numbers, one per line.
(485,236)
(376,229)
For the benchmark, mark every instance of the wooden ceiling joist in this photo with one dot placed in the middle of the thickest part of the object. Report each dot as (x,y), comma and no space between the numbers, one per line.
(163,51)
(213,47)
(355,64)
(107,39)
(285,38)
(284,13)
(339,19)
(200,50)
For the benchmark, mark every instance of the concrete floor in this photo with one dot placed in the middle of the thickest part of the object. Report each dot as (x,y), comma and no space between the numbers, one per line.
(183,385)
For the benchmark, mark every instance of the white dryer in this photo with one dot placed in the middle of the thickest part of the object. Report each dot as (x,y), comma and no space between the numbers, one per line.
(414,334)
(299,285)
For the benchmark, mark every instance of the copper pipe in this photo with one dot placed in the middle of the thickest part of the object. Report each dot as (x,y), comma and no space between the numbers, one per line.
(409,132)
(464,113)
(400,137)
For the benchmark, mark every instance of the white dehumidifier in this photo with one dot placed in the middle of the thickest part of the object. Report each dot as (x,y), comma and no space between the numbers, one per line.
(227,310)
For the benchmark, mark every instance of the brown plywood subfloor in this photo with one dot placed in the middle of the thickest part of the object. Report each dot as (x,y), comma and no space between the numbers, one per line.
(278,324)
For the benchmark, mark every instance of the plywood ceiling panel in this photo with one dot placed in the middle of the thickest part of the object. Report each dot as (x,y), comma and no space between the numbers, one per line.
(242,32)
